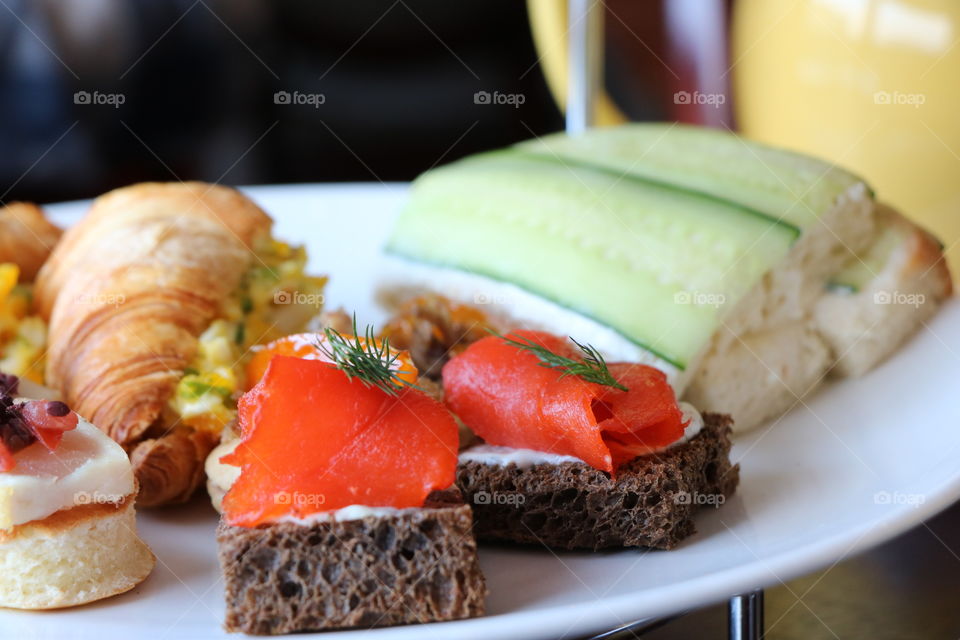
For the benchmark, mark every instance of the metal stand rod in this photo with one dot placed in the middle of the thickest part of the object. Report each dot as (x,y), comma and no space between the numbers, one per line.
(585,62)
(745,616)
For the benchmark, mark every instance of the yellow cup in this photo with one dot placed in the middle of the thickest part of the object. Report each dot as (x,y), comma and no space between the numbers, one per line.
(872,85)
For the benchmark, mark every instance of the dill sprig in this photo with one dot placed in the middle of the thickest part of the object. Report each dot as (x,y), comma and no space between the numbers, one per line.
(364,359)
(592,368)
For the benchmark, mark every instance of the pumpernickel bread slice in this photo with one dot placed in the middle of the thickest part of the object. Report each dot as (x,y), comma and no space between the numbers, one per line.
(419,565)
(571,505)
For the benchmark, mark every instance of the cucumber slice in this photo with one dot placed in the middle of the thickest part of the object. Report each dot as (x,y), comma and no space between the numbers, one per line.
(788,186)
(654,262)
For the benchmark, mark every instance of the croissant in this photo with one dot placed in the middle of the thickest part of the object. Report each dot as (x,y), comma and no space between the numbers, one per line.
(170,468)
(26,237)
(127,293)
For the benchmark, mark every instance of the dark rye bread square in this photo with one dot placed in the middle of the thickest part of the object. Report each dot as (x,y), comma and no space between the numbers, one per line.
(571,505)
(416,566)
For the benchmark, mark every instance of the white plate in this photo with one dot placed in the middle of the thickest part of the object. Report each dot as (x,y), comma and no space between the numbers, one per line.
(860,462)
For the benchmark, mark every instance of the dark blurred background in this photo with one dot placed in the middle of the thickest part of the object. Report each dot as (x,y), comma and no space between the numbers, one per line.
(101,93)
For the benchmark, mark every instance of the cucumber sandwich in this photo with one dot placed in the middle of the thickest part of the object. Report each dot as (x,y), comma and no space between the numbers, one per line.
(746,273)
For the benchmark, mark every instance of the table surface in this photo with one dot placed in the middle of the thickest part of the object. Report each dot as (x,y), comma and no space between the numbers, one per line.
(906,589)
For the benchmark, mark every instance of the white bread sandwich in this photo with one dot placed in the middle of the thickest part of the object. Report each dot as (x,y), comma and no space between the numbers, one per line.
(707,256)
(67,528)
(881,296)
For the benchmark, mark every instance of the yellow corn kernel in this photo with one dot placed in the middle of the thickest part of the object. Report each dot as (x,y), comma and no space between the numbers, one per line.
(9,273)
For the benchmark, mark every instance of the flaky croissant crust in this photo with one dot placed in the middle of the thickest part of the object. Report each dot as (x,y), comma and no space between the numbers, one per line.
(127,291)
(26,238)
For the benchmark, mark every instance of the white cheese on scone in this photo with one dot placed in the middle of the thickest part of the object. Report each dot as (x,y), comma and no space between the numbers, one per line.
(86,467)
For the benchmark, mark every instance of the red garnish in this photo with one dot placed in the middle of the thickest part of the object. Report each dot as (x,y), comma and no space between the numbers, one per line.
(7,461)
(313,440)
(48,420)
(15,434)
(9,384)
(508,398)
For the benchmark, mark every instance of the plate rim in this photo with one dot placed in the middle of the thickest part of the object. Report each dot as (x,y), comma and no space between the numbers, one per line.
(589,616)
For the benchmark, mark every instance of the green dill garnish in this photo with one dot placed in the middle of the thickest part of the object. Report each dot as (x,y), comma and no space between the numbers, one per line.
(190,371)
(362,359)
(593,368)
(246,305)
(240,334)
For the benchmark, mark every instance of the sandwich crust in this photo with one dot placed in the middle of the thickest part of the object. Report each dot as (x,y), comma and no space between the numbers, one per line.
(863,328)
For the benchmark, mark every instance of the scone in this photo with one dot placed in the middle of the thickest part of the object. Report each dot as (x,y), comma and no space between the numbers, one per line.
(67,529)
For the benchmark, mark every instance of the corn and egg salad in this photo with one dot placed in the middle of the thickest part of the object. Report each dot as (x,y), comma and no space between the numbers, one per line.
(275,298)
(23,337)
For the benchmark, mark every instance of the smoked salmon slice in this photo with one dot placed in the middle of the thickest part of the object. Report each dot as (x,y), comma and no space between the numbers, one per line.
(508,398)
(313,440)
